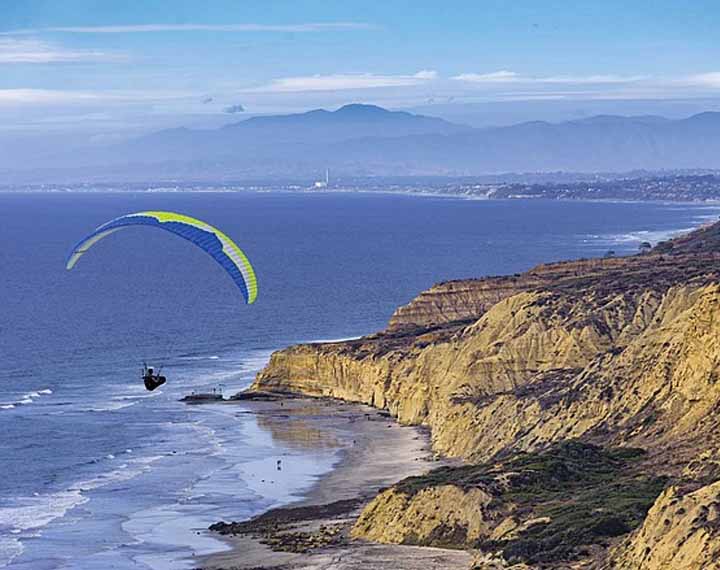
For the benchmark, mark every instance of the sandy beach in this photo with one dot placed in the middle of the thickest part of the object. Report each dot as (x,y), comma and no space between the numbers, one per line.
(313,533)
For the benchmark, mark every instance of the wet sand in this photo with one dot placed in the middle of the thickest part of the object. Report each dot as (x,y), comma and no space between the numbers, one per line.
(313,533)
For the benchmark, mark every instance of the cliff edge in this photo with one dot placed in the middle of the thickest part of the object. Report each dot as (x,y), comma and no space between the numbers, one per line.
(582,396)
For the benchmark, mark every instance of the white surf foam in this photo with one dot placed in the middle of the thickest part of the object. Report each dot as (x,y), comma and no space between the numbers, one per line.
(629,239)
(10,548)
(110,407)
(26,516)
(702,215)
(38,393)
(35,512)
(26,399)
(133,397)
(132,469)
(193,358)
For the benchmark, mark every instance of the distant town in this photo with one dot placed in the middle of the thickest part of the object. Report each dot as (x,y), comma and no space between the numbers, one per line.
(672,188)
(645,187)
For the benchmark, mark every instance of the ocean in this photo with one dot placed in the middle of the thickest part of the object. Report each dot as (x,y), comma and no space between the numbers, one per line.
(98,473)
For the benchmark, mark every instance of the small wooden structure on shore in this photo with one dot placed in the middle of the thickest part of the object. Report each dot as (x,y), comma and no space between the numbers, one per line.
(204,397)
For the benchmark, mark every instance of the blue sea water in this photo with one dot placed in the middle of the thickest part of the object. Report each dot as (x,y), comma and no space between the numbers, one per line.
(97,472)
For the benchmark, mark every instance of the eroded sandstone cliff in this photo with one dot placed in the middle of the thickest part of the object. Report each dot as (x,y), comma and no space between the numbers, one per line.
(681,531)
(613,353)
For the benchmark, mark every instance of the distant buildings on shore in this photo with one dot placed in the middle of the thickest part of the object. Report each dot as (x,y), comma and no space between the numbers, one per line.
(320,184)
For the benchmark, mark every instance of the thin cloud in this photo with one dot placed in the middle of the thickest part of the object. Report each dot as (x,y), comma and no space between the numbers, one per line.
(44,96)
(505,76)
(590,79)
(426,74)
(36,51)
(502,76)
(27,96)
(710,79)
(311,27)
(339,82)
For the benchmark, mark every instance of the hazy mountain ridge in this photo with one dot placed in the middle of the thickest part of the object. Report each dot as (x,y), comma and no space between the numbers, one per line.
(280,137)
(366,140)
(364,137)
(600,143)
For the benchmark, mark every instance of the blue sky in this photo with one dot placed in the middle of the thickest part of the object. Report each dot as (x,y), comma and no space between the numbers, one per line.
(109,67)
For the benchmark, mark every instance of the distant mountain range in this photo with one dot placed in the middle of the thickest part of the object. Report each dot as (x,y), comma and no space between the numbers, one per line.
(282,137)
(365,140)
(602,143)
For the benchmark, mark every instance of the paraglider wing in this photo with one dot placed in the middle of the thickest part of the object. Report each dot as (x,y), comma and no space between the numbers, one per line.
(210,239)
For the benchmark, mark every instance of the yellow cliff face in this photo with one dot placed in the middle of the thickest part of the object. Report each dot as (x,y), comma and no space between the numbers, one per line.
(682,532)
(456,301)
(535,368)
(437,516)
(621,352)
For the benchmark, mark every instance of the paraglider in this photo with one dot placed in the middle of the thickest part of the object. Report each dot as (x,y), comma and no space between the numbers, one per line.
(151,379)
(219,246)
(210,239)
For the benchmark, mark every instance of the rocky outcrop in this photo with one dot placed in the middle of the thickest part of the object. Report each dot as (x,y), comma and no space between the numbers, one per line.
(465,300)
(681,531)
(438,516)
(457,301)
(615,352)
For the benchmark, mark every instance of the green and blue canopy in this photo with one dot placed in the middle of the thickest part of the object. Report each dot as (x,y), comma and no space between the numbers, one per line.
(210,239)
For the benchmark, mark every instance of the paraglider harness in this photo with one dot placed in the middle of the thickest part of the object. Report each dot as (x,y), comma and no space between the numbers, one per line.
(151,379)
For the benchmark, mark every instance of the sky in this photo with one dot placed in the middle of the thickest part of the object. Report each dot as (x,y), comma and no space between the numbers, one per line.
(110,68)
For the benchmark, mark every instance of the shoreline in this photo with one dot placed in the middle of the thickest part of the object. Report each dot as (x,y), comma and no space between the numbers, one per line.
(375,451)
(710,202)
